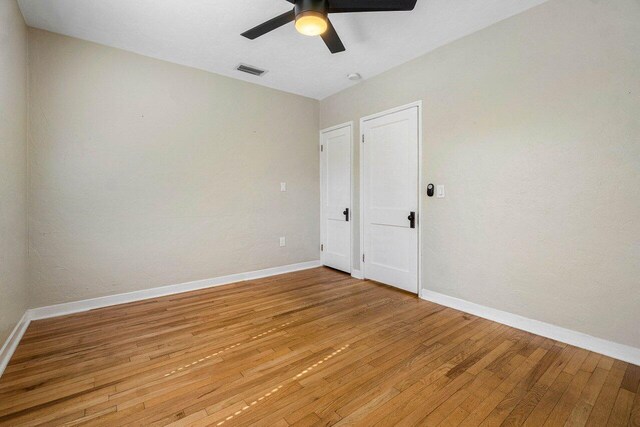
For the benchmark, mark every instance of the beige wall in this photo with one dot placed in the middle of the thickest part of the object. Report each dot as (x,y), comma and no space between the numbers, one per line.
(533,126)
(13,167)
(146,173)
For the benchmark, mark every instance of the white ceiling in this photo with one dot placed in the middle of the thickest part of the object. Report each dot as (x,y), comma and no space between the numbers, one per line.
(205,34)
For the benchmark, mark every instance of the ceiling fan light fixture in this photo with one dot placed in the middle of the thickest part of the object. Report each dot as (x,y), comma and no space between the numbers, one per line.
(312,17)
(311,23)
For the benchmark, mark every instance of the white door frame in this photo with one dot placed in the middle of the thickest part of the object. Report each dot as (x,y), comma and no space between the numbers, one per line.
(417,104)
(329,129)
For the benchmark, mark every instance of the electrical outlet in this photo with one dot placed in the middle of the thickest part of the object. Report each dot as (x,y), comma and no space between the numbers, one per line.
(283,186)
(283,242)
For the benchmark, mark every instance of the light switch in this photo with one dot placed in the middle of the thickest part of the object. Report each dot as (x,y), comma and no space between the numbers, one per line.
(440,191)
(283,186)
(283,241)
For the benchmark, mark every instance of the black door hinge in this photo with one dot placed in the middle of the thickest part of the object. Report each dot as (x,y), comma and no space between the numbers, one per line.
(322,247)
(362,257)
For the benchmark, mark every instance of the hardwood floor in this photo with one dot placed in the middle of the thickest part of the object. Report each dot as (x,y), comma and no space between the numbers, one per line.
(309,348)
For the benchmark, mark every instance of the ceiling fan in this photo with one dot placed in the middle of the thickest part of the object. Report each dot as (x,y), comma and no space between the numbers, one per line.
(312,20)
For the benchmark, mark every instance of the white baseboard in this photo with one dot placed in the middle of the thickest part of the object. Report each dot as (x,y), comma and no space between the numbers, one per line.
(608,348)
(12,341)
(357,274)
(90,304)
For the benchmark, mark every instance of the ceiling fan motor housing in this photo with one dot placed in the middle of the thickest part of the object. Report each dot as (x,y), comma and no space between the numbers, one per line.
(303,7)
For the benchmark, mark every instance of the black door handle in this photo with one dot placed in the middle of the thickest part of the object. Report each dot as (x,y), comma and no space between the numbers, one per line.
(346,214)
(412,220)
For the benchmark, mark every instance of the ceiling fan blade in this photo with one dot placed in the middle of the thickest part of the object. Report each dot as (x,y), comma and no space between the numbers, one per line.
(331,39)
(346,6)
(270,25)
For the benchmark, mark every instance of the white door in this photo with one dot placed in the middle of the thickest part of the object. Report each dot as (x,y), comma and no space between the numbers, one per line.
(335,178)
(390,198)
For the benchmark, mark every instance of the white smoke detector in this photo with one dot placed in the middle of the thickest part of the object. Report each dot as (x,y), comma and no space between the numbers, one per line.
(354,77)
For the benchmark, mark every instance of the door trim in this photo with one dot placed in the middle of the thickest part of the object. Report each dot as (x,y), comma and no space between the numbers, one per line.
(417,104)
(323,131)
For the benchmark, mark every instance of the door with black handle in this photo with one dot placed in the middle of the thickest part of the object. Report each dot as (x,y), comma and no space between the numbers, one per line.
(389,190)
(335,176)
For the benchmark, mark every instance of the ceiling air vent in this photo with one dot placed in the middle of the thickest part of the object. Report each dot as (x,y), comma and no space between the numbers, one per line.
(250,70)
